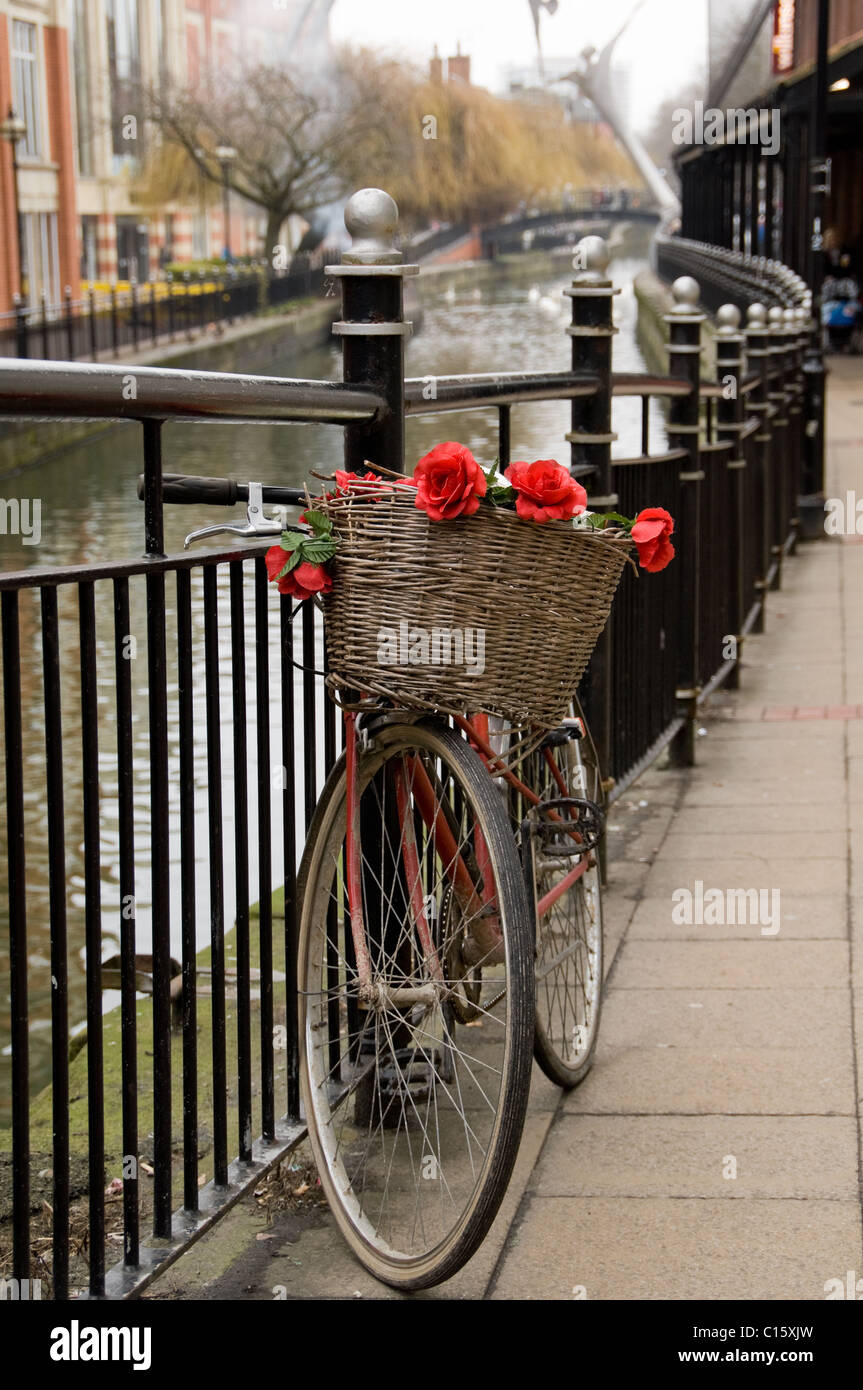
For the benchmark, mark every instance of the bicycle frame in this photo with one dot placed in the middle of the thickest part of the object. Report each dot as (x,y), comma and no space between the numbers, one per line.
(475,898)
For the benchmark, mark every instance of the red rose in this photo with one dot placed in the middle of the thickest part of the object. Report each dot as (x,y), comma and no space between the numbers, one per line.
(650,531)
(546,492)
(344,480)
(449,482)
(303,580)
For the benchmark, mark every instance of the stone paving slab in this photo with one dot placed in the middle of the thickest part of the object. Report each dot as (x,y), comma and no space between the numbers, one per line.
(664,1248)
(723,1156)
(819,917)
(803,876)
(767,964)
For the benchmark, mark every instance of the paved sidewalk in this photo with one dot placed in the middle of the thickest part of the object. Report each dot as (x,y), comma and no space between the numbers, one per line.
(724,1049)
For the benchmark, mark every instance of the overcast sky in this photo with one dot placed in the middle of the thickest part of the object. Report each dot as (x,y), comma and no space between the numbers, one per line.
(662,51)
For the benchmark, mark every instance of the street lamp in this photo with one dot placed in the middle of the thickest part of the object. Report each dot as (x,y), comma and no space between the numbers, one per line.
(226,154)
(14,129)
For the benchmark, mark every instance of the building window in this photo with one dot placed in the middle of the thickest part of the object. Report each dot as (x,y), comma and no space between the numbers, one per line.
(41,259)
(83,88)
(124,68)
(89,248)
(25,66)
(200,238)
(133,249)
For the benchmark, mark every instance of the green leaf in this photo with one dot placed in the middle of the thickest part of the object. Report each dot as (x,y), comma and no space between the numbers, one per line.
(292,539)
(286,569)
(599,520)
(318,552)
(319,523)
(491,472)
(501,496)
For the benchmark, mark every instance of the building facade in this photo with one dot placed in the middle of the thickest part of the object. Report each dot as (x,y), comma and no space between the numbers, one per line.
(72,71)
(752,193)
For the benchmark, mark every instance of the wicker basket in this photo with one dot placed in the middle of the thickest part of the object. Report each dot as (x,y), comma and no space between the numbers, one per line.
(487,612)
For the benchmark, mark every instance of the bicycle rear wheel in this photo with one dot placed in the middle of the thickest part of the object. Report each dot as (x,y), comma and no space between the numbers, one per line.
(415,1093)
(565,881)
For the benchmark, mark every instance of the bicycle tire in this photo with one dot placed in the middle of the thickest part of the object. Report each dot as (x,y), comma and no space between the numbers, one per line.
(569,937)
(413,1180)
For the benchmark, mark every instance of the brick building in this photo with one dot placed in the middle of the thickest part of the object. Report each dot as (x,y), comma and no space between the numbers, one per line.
(70,70)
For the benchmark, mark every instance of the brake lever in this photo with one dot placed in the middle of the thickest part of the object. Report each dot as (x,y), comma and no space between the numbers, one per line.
(257,524)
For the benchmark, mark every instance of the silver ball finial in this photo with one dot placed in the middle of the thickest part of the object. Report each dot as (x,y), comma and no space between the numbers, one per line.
(756,316)
(591,256)
(775,316)
(371,217)
(790,317)
(728,318)
(686,291)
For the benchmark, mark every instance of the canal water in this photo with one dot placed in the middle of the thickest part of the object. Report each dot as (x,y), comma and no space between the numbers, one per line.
(90,512)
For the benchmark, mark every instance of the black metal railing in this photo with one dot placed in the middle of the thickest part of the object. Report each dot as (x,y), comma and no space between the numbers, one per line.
(103,324)
(232,724)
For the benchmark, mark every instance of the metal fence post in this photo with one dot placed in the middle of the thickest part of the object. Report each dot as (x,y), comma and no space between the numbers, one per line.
(43,297)
(758,357)
(811,506)
(133,289)
(372,327)
(91,300)
(729,424)
(794,411)
(69,325)
(590,440)
(684,363)
(20,326)
(114,326)
(777,396)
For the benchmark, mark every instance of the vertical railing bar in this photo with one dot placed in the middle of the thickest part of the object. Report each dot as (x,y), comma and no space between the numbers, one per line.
(93,934)
(241,862)
(645,424)
(289,841)
(217,892)
(123,653)
(59,961)
(265,853)
(310,741)
(332,908)
(154,528)
(161,900)
(186,711)
(504,424)
(17,937)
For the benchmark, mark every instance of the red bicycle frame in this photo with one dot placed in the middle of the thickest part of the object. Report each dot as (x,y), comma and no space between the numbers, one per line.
(476,900)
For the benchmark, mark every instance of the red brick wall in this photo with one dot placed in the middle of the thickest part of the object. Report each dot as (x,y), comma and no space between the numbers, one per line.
(468,249)
(63,153)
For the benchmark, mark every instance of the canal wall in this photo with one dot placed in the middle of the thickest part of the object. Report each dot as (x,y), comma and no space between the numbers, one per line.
(654,302)
(254,346)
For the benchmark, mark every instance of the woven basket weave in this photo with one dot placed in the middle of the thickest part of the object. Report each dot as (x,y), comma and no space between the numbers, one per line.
(539,595)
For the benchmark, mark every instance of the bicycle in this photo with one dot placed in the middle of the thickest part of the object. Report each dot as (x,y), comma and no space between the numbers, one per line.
(450,929)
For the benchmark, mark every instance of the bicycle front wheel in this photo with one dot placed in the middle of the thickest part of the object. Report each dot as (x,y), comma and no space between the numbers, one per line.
(415,1089)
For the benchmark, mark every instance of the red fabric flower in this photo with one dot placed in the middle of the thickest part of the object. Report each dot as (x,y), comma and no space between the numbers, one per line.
(650,531)
(449,482)
(303,580)
(545,490)
(344,480)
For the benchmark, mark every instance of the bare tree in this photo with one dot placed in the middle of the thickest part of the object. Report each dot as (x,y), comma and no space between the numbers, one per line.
(287,136)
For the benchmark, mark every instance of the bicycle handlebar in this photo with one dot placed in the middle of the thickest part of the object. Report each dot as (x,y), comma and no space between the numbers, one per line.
(220,492)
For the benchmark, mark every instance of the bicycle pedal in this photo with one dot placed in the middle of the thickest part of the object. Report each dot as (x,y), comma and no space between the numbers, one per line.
(573,816)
